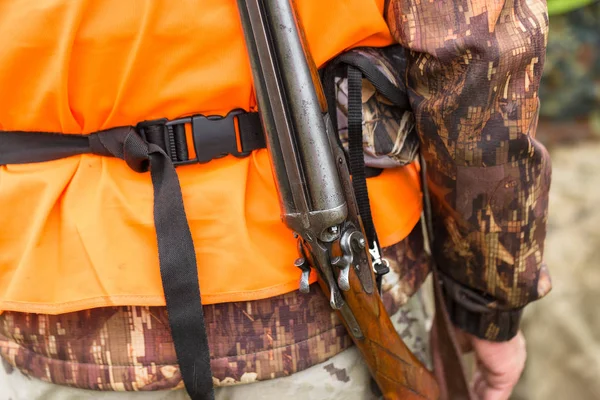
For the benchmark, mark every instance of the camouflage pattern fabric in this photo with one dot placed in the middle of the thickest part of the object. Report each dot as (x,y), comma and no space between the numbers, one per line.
(389,138)
(131,349)
(344,376)
(473,73)
(571,82)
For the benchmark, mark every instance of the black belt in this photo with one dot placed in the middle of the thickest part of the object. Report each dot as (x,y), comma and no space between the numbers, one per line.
(159,146)
(212,137)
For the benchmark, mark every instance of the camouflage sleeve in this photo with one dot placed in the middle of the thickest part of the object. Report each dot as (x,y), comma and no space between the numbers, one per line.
(474,68)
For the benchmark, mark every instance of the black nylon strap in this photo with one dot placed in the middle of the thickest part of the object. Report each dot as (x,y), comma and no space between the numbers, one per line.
(175,245)
(180,142)
(357,166)
(32,147)
(355,148)
(177,257)
(180,278)
(376,77)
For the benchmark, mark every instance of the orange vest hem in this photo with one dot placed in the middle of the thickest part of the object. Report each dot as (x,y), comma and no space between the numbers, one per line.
(151,301)
(158,301)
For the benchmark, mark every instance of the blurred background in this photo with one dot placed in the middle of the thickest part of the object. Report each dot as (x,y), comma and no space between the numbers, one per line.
(563,329)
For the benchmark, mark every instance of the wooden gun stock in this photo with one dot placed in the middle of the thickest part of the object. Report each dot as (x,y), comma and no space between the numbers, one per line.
(398,373)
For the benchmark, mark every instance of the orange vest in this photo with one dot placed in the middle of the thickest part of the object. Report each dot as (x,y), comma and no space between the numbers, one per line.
(78,233)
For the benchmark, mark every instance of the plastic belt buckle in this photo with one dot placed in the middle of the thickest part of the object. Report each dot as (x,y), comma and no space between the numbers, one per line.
(212,136)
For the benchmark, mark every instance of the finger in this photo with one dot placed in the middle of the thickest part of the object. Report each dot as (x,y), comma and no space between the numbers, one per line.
(493,386)
(479,385)
(484,391)
(506,379)
(502,363)
(495,394)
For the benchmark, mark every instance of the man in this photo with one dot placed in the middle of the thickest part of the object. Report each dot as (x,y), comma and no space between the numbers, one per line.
(80,281)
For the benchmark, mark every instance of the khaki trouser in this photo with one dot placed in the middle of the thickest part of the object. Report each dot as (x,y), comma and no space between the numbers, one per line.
(345,376)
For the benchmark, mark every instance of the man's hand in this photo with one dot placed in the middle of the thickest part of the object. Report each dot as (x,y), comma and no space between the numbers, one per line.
(499,364)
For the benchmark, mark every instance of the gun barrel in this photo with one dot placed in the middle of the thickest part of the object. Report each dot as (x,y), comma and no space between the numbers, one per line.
(292,112)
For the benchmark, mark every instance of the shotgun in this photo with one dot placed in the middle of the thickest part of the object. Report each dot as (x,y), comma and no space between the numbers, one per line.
(316,197)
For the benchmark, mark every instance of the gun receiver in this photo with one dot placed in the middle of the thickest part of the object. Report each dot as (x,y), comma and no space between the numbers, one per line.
(316,196)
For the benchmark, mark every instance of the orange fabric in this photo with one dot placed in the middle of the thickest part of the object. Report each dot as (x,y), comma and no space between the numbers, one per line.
(78,232)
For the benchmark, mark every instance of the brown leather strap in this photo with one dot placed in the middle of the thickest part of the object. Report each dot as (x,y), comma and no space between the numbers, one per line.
(448,362)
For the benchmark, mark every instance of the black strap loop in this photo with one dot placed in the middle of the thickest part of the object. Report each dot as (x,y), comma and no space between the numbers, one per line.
(357,169)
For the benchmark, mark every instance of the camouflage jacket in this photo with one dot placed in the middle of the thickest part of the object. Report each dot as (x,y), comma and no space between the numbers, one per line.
(473,74)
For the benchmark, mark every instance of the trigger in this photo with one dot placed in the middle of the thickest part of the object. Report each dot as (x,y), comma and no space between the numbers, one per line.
(304,279)
(343,277)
